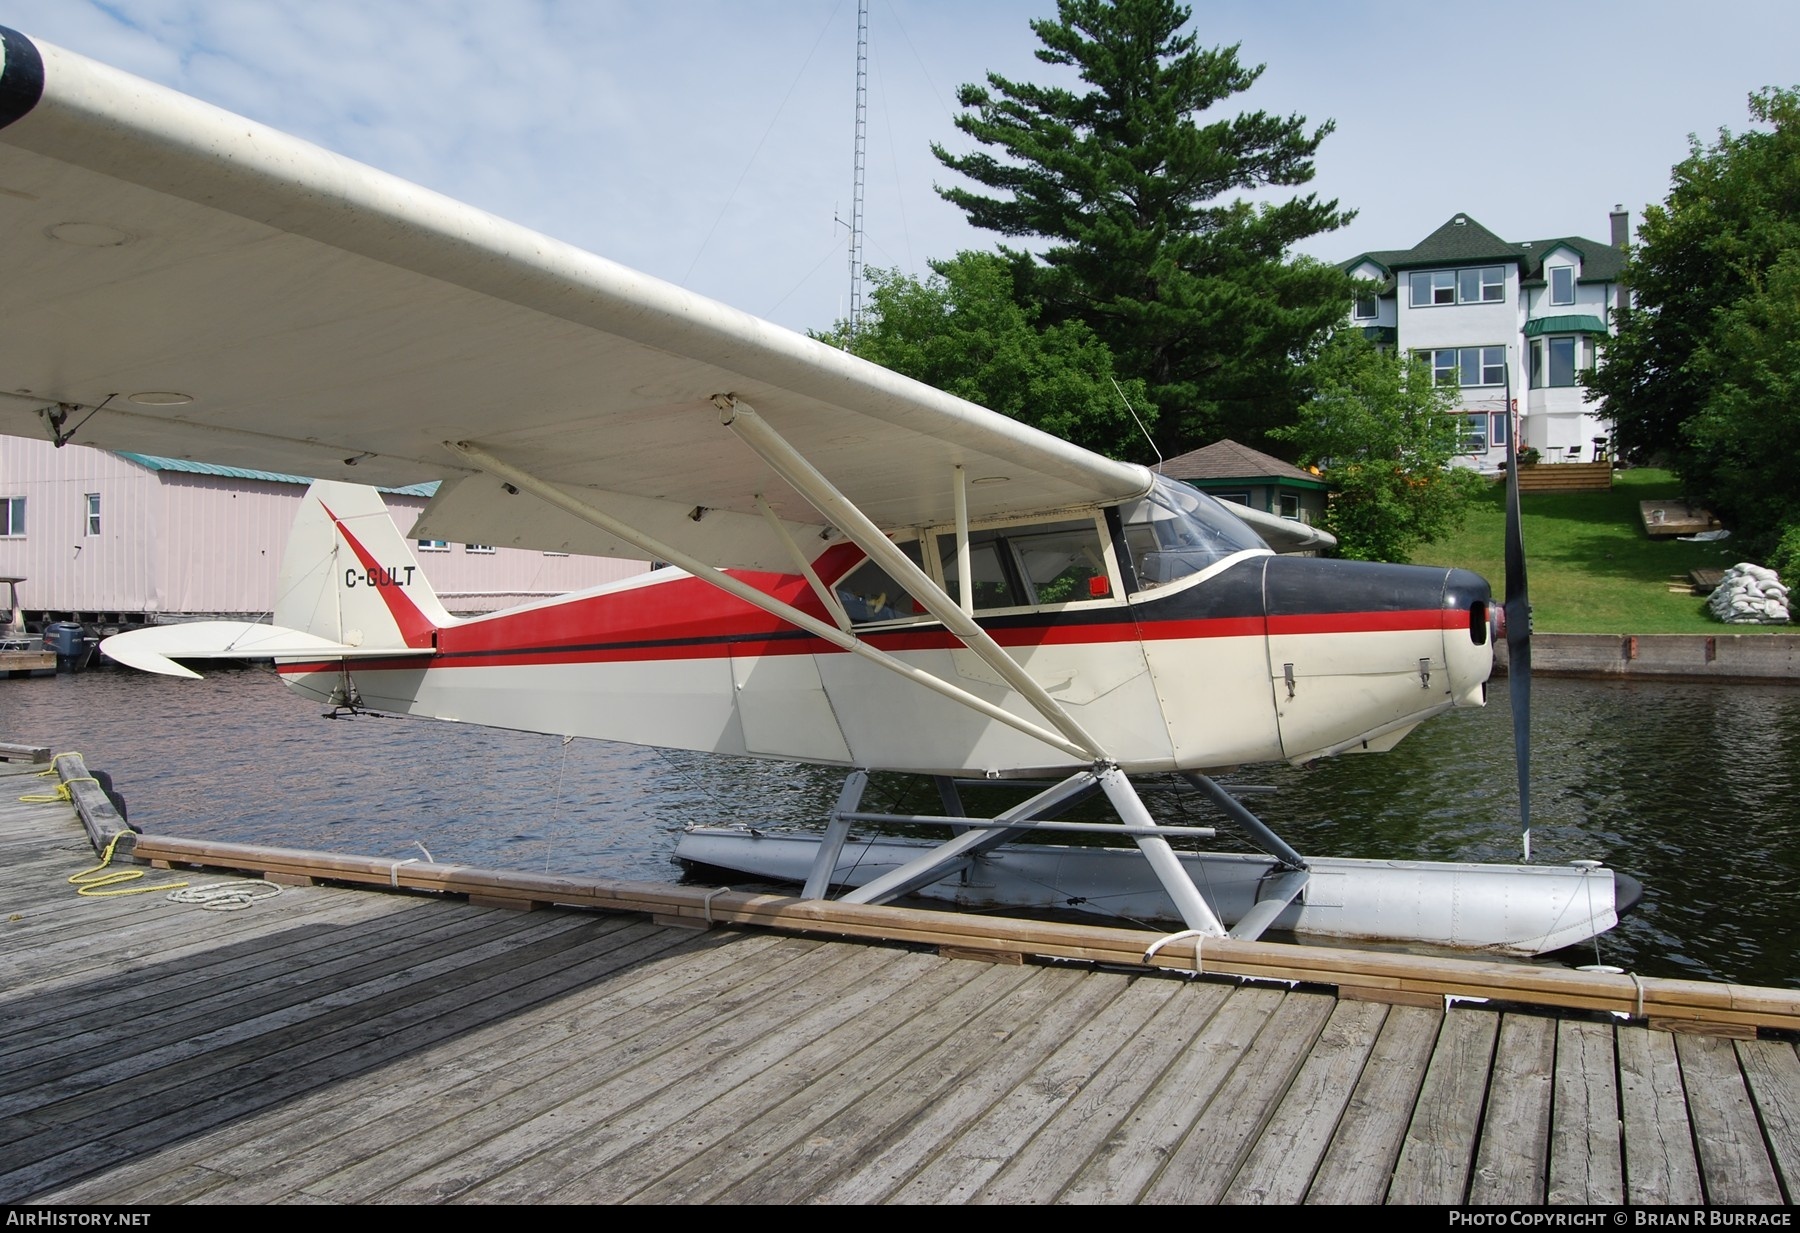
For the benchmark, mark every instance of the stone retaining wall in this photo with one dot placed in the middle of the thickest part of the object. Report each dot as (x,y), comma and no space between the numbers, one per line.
(1754,657)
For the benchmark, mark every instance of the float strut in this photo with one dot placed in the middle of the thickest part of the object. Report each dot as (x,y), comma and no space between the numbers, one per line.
(818,882)
(1259,831)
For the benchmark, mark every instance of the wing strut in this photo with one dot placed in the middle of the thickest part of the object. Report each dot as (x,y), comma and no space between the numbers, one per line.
(526,482)
(842,513)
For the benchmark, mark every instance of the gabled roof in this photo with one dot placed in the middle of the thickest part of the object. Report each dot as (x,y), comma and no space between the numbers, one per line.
(1463,241)
(155,462)
(1600,263)
(1227,460)
(1460,241)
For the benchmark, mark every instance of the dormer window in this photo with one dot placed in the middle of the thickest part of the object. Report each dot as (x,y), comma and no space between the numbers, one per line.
(1562,284)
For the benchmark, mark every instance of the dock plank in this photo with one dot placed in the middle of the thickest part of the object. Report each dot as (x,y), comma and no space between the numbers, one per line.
(192,976)
(1358,1166)
(914,1142)
(1130,1158)
(1209,1156)
(1037,1172)
(1586,1162)
(565,1125)
(1279,1169)
(1734,1160)
(1061,1070)
(1772,1069)
(244,1076)
(189,1003)
(271,1155)
(795,1128)
(1512,1163)
(1660,1167)
(1438,1152)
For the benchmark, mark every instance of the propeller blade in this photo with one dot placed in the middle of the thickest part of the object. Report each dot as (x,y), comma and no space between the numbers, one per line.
(1518,638)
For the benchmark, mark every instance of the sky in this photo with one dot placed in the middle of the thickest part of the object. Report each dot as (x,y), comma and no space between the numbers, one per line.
(710,143)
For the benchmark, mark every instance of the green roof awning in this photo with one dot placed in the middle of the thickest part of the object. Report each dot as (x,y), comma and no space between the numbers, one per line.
(158,463)
(1574,323)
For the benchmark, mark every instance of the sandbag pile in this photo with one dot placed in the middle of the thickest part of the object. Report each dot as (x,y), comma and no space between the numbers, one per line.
(1750,595)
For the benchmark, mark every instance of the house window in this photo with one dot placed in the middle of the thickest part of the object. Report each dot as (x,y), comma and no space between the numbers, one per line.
(12,515)
(433,545)
(1497,429)
(1561,370)
(93,513)
(1290,504)
(484,549)
(1482,285)
(1368,307)
(1475,433)
(1466,366)
(1433,287)
(1562,284)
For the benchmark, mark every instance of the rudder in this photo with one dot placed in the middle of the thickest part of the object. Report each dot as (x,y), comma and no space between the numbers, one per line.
(350,577)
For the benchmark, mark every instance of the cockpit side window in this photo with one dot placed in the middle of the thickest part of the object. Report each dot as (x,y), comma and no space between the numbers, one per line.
(991,571)
(1030,566)
(1061,562)
(1175,532)
(870,594)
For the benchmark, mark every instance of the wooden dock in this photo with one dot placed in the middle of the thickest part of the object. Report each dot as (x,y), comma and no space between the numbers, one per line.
(344,1044)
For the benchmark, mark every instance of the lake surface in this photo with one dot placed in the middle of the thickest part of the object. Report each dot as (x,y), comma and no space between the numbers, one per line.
(1689,787)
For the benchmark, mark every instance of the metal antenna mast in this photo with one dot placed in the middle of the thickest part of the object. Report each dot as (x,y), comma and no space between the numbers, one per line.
(856,192)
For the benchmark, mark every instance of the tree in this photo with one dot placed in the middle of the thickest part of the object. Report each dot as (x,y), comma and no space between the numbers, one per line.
(1150,240)
(963,331)
(1384,435)
(1705,365)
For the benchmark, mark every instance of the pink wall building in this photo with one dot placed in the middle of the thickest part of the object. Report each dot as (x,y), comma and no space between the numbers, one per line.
(116,539)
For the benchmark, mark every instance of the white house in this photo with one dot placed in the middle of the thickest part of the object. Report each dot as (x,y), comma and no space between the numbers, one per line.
(1502,319)
(115,540)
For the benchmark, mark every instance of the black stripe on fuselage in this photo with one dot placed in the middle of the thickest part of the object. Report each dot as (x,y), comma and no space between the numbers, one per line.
(21,77)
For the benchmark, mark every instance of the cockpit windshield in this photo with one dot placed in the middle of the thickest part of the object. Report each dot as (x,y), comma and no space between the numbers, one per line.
(1175,531)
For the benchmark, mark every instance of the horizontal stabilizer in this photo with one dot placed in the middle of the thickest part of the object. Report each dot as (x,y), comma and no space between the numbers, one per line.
(155,649)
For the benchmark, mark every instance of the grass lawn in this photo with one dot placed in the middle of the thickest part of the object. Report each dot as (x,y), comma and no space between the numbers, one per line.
(1591,568)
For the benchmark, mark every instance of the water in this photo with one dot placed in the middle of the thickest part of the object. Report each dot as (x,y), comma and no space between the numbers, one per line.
(1689,787)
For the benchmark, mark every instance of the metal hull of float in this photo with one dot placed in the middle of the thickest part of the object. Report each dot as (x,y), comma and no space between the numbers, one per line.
(1501,909)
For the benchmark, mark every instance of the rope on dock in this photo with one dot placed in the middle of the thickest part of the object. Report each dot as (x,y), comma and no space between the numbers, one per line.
(97,883)
(225,896)
(62,792)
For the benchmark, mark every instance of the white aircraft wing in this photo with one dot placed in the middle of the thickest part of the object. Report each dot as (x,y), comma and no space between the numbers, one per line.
(222,291)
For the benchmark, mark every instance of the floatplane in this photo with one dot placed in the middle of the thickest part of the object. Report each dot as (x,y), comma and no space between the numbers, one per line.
(866,572)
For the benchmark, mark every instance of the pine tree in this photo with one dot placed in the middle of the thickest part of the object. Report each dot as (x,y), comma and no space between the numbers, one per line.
(1151,240)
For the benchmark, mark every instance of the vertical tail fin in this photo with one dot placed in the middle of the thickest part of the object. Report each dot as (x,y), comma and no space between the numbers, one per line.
(349,577)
